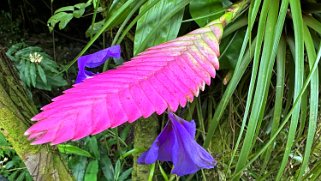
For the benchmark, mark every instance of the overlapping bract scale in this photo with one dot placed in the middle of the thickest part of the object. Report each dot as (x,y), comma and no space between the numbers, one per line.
(163,77)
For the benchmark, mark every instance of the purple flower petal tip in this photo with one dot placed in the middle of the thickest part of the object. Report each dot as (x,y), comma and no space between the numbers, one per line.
(176,143)
(94,60)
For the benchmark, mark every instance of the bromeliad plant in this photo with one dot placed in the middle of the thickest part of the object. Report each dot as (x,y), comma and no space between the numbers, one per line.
(163,77)
(279,45)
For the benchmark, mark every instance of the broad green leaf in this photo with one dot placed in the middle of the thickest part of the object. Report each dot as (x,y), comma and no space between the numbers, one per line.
(41,74)
(114,8)
(151,20)
(230,50)
(204,11)
(71,149)
(92,171)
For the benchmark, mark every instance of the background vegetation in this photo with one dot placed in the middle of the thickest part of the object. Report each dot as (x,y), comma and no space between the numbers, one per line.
(259,118)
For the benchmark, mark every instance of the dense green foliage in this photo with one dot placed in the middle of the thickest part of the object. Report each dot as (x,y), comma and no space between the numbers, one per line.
(259,118)
(36,68)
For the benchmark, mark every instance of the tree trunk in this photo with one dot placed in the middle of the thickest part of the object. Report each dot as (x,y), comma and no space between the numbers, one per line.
(15,111)
(145,134)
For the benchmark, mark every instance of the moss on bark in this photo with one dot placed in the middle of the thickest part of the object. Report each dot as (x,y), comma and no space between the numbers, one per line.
(15,111)
(146,131)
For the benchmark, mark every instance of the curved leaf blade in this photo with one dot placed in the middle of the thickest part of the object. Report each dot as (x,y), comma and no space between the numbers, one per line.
(150,20)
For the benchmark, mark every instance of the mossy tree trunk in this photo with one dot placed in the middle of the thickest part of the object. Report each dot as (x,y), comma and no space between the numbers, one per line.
(15,111)
(145,134)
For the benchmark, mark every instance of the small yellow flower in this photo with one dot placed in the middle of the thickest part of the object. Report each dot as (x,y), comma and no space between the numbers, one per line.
(35,57)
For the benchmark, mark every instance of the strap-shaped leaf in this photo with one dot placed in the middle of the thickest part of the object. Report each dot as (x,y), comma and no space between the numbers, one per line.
(163,77)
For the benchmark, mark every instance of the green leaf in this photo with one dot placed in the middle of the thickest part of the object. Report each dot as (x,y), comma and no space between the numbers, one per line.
(49,66)
(109,23)
(107,167)
(91,171)
(117,170)
(93,146)
(21,176)
(78,13)
(56,80)
(3,141)
(264,76)
(94,28)
(81,5)
(231,50)
(287,118)
(78,167)
(33,75)
(124,176)
(41,74)
(24,52)
(26,73)
(71,149)
(13,175)
(164,175)
(205,11)
(149,27)
(95,3)
(313,103)
(66,8)
(62,18)
(299,74)
(115,7)
(65,20)
(81,10)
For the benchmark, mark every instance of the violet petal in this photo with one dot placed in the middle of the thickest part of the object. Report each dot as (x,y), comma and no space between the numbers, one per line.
(176,143)
(94,60)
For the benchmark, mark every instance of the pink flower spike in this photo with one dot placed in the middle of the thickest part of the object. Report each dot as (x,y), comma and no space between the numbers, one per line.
(163,77)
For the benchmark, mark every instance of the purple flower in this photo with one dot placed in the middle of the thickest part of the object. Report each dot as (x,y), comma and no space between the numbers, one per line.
(94,60)
(176,143)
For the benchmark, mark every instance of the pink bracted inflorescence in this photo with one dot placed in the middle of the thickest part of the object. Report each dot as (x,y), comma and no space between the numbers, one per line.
(163,77)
